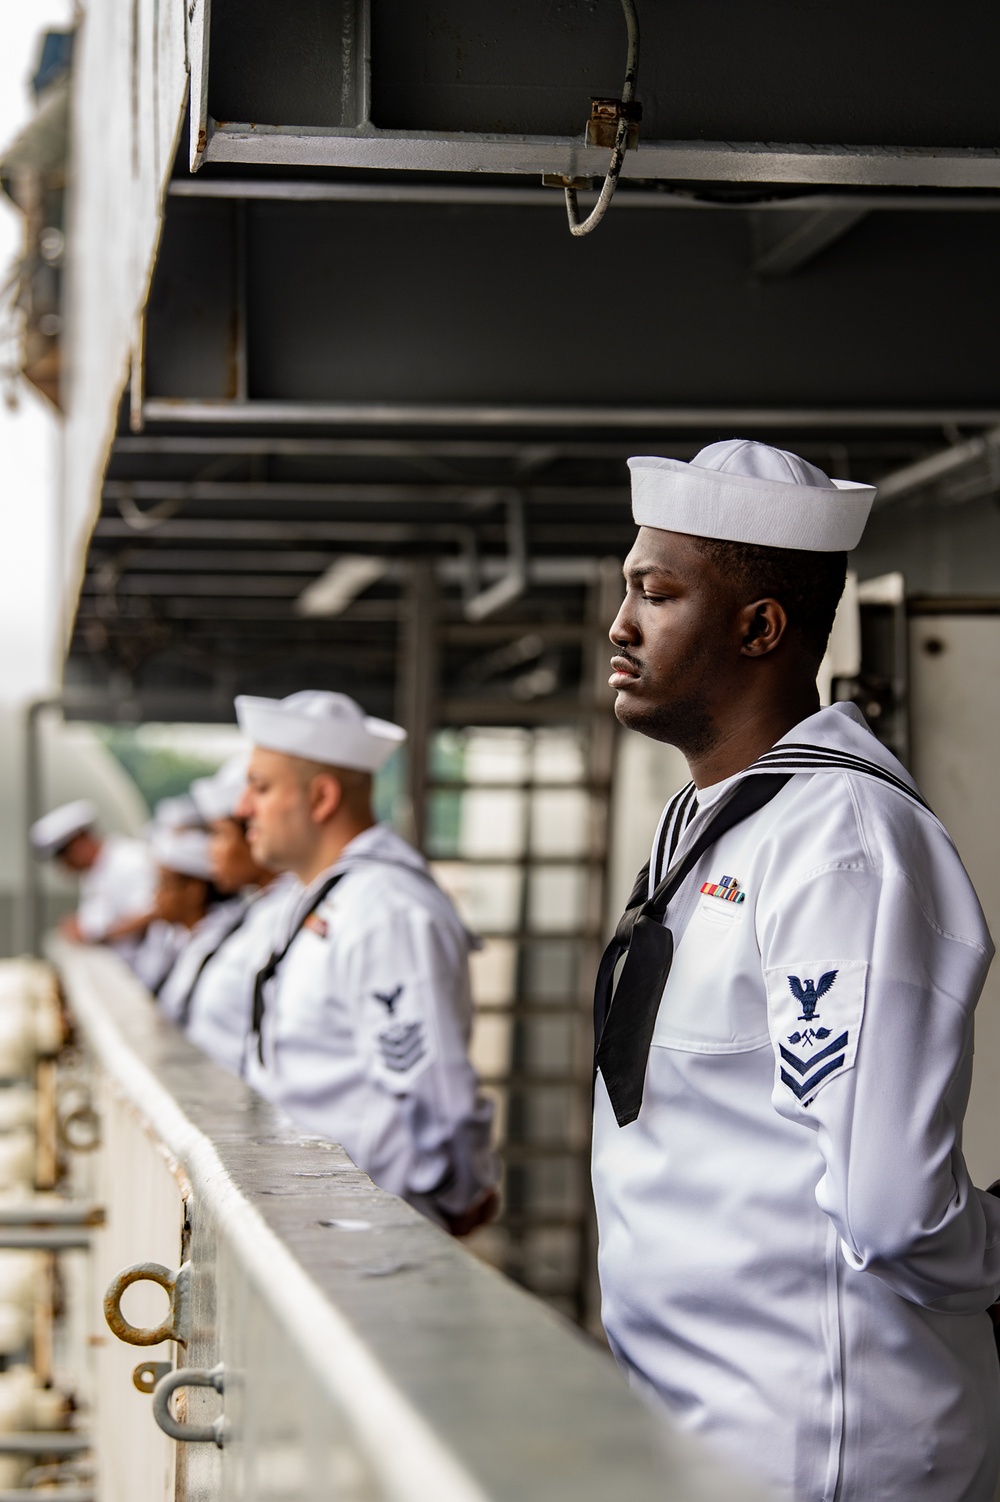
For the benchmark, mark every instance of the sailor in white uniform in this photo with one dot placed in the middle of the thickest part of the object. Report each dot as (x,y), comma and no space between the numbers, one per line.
(209,992)
(117,876)
(187,909)
(792,1256)
(362,1014)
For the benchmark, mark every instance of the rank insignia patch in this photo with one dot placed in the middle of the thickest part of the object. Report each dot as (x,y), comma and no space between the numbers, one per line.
(389,998)
(402,1046)
(831,1009)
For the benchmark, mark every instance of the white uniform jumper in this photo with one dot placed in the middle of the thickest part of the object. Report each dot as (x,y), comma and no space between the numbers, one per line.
(201,941)
(120,884)
(791,1253)
(221,1002)
(367,1024)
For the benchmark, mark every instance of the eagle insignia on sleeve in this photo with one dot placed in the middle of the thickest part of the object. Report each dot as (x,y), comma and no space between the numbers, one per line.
(808,994)
(808,1057)
(389,998)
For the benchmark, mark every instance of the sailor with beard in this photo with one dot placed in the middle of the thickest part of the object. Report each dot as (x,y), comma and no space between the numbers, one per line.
(792,1256)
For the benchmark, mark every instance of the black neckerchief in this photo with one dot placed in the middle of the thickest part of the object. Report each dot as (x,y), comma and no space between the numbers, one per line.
(184,1012)
(625,1015)
(264,975)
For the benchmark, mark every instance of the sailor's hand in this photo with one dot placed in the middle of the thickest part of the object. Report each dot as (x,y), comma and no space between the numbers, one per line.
(69,928)
(480,1213)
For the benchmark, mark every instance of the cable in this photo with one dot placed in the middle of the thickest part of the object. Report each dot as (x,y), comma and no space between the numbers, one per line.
(584,227)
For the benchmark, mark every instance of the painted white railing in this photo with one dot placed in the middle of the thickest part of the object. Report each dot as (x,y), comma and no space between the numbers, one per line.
(363,1354)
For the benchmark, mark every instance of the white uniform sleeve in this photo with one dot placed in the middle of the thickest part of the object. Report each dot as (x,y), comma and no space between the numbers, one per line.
(407,979)
(121,885)
(870,1009)
(95,914)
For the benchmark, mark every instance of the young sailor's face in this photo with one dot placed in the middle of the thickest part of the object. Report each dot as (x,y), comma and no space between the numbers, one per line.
(233,866)
(180,898)
(276,808)
(674,640)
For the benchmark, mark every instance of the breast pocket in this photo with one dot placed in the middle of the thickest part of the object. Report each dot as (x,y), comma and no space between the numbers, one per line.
(714,1000)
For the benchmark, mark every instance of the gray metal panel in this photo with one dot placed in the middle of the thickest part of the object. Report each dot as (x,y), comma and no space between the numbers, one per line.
(384,303)
(193,297)
(902,72)
(851,73)
(298,61)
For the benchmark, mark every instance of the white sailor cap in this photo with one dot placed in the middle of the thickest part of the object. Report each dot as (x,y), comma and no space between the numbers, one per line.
(54,830)
(216,797)
(178,812)
(320,726)
(182,850)
(742,491)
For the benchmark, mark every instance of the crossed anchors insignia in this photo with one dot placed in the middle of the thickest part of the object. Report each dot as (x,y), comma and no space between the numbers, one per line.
(807,994)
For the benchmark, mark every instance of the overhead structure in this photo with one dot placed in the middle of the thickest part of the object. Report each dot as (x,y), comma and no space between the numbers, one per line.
(347,406)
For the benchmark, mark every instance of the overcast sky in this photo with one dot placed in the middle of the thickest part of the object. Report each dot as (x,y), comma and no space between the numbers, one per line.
(27,436)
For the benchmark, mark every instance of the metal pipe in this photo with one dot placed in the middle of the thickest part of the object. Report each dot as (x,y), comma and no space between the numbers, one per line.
(925,472)
(31,908)
(67,1213)
(44,1442)
(43,1240)
(475,196)
(48,1494)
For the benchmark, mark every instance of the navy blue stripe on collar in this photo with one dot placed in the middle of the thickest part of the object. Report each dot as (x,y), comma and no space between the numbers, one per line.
(809,758)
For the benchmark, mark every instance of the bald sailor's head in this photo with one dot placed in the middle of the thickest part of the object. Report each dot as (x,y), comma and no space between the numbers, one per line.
(309,780)
(731,590)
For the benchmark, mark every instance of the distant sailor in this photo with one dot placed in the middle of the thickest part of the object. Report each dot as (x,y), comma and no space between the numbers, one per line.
(363,1011)
(187,908)
(209,992)
(117,876)
(792,1255)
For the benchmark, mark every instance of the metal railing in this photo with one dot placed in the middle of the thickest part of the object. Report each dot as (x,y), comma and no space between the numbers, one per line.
(321,1340)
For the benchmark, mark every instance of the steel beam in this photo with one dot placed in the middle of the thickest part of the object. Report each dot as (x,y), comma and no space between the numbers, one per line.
(443,415)
(529,455)
(362,493)
(688,161)
(938,467)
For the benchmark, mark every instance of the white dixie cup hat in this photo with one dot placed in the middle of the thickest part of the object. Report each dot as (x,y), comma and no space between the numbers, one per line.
(182,850)
(218,796)
(741,491)
(53,831)
(319,726)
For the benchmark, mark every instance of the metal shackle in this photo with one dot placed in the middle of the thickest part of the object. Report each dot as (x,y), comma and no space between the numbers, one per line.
(174,1327)
(189,1376)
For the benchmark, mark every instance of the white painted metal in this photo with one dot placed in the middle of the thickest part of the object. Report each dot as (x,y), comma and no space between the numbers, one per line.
(955,729)
(199,15)
(129,90)
(143,1193)
(367,1356)
(700,161)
